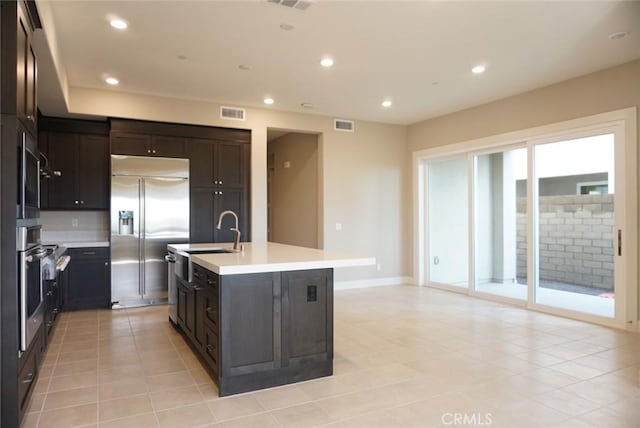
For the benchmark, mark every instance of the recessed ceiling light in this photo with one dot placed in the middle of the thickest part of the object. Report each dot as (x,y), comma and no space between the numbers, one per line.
(618,35)
(268,101)
(306,105)
(386,103)
(327,62)
(112,81)
(243,67)
(182,57)
(119,24)
(478,69)
(287,27)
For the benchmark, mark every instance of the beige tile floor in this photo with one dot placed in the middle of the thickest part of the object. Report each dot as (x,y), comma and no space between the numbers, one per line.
(404,357)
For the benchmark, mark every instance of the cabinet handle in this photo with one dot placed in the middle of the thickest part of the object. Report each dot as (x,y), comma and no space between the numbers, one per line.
(210,348)
(49,293)
(81,202)
(89,253)
(57,173)
(55,311)
(220,182)
(49,323)
(29,378)
(30,117)
(148,150)
(106,263)
(153,151)
(76,202)
(210,310)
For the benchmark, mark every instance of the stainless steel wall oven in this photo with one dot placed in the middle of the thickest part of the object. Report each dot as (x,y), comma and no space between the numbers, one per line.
(31,296)
(28,206)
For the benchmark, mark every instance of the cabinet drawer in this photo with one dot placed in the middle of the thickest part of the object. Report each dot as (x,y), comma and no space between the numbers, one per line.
(199,274)
(29,364)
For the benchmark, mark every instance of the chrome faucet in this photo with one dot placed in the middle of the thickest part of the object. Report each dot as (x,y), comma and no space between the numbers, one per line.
(236,247)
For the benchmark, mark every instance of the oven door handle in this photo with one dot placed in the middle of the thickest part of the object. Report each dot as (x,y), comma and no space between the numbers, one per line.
(37,255)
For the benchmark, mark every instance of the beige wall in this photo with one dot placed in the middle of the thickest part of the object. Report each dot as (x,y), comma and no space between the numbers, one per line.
(612,89)
(294,190)
(363,181)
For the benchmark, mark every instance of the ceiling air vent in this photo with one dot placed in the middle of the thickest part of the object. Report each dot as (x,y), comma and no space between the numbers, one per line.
(343,125)
(232,113)
(297,4)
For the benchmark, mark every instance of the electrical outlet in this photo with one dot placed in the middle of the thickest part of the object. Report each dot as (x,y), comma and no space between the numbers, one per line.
(74,222)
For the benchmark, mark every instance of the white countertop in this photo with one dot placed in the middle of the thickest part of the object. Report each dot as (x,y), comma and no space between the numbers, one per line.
(81,244)
(269,257)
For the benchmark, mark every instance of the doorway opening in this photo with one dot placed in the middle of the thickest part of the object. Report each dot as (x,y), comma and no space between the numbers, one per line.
(293,188)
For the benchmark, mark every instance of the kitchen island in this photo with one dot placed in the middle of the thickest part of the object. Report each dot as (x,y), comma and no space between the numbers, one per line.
(261,317)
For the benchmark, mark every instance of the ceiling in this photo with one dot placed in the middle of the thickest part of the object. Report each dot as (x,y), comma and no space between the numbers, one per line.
(418,54)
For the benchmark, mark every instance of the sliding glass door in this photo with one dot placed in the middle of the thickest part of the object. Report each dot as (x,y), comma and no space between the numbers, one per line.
(576,239)
(448,231)
(539,222)
(500,223)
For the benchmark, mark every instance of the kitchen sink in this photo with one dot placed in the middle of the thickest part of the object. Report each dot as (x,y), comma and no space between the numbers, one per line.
(208,251)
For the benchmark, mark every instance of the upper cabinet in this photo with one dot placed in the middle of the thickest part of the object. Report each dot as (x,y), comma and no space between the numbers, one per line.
(20,98)
(27,75)
(125,143)
(77,154)
(218,163)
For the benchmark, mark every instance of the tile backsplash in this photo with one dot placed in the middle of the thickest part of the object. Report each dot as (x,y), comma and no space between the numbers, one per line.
(74,226)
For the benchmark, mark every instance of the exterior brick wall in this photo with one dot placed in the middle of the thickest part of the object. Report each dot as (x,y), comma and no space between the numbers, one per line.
(576,239)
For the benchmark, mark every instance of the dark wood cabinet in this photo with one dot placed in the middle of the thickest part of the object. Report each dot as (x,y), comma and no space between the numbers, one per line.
(77,153)
(88,285)
(26,91)
(186,307)
(219,177)
(206,206)
(260,330)
(126,143)
(220,164)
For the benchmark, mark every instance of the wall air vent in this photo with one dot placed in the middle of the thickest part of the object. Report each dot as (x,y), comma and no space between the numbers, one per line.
(343,125)
(297,4)
(232,113)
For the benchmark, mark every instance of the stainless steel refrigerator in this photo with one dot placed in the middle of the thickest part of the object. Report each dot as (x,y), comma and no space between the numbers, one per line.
(149,209)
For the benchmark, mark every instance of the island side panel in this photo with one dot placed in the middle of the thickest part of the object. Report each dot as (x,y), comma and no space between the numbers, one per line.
(307,317)
(250,322)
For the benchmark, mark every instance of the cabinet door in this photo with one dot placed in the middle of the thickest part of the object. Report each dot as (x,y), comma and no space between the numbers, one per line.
(93,172)
(202,221)
(234,200)
(31,94)
(230,164)
(130,144)
(186,308)
(307,316)
(200,311)
(88,285)
(249,321)
(23,36)
(200,153)
(62,185)
(168,147)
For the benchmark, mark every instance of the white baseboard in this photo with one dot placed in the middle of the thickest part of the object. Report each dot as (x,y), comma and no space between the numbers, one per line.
(374,282)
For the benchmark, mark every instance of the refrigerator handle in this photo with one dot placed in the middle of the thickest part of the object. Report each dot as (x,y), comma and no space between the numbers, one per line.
(142,234)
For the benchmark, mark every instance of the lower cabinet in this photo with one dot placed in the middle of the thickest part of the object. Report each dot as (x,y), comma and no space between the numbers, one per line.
(186,307)
(259,330)
(88,283)
(28,369)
